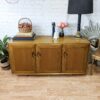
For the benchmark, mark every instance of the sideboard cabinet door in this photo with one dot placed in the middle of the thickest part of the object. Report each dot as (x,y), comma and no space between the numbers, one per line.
(48,58)
(22,58)
(74,58)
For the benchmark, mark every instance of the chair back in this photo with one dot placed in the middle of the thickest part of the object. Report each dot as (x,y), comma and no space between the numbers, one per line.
(94,43)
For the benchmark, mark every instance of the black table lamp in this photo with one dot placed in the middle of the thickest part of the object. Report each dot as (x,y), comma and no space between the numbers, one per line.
(80,7)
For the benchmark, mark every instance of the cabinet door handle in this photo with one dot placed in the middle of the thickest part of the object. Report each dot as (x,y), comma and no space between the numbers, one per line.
(33,54)
(65,54)
(38,54)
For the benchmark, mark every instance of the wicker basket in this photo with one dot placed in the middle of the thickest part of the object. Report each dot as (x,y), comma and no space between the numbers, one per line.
(25,25)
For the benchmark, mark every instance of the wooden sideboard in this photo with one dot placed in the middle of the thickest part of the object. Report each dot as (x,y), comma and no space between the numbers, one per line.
(45,56)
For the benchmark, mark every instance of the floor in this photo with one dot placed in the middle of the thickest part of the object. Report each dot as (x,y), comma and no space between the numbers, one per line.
(13,87)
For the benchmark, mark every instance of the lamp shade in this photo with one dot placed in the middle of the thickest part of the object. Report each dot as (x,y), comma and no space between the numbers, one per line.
(80,6)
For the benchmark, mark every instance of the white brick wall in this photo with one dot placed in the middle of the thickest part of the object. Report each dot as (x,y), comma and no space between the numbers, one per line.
(41,12)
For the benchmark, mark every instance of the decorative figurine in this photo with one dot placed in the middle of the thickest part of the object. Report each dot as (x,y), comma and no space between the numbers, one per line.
(56,34)
(53,28)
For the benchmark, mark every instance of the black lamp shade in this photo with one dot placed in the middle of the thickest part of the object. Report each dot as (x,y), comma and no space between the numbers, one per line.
(80,6)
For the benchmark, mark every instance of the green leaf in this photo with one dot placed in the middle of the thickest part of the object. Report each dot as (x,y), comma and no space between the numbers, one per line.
(1,55)
(5,51)
(5,40)
(3,47)
(1,44)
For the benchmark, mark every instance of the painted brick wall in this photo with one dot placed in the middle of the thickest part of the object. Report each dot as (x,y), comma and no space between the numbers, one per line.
(42,13)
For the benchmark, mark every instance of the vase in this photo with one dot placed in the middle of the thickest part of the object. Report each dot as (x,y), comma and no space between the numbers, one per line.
(61,34)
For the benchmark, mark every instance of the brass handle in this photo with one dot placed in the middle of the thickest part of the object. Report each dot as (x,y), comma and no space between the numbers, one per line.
(65,54)
(38,54)
(33,54)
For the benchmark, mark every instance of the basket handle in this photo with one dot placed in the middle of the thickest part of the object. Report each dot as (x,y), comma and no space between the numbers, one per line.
(24,18)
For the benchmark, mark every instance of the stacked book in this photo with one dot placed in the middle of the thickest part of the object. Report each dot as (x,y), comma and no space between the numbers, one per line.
(24,36)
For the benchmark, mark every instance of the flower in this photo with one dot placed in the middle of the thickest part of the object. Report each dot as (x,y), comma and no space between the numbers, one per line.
(62,25)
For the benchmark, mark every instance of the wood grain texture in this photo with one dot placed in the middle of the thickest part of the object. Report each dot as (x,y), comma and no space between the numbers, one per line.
(49,39)
(74,58)
(13,87)
(49,56)
(22,58)
(48,59)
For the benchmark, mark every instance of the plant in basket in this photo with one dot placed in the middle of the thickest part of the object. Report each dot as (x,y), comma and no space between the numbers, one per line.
(4,55)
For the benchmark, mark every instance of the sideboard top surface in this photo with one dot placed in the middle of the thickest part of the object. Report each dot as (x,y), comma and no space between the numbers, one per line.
(49,39)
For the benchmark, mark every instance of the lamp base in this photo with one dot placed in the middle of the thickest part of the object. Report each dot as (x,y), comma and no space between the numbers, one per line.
(78,35)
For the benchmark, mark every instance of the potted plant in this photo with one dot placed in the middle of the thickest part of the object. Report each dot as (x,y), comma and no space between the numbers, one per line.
(4,55)
(92,33)
(62,25)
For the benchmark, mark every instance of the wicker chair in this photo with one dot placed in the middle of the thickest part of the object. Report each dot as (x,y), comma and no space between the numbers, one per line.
(94,43)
